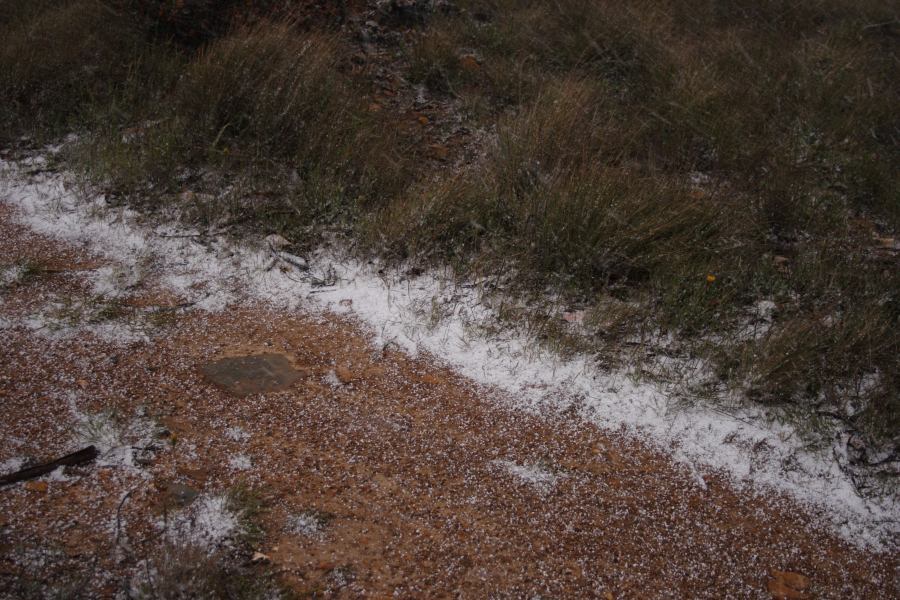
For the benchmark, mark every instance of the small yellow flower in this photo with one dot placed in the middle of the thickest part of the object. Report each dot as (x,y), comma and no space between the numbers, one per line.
(710,278)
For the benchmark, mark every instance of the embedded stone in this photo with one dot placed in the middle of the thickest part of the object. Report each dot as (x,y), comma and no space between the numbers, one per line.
(254,374)
(178,495)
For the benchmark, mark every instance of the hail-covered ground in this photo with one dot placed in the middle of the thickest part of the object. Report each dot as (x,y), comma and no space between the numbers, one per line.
(410,453)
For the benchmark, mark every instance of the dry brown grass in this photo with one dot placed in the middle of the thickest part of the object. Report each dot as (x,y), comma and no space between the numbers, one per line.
(57,59)
(606,113)
(266,113)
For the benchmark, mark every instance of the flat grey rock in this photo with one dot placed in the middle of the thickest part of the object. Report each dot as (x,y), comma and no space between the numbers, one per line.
(254,374)
(180,495)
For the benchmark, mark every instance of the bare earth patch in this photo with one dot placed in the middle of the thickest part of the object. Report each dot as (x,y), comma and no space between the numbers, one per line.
(372,473)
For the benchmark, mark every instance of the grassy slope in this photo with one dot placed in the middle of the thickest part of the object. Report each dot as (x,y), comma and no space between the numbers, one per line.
(671,163)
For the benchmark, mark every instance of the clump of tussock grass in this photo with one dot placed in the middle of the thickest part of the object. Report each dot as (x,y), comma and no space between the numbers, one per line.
(525,42)
(692,160)
(772,95)
(60,62)
(259,91)
(546,202)
(186,571)
(265,111)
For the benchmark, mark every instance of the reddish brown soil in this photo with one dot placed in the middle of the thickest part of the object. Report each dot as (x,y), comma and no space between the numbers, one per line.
(398,455)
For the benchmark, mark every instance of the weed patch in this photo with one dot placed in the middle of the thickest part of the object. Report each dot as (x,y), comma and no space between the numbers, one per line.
(265,122)
(685,162)
(62,63)
(184,571)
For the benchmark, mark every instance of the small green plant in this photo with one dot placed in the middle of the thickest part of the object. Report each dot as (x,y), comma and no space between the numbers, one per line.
(104,428)
(183,571)
(73,312)
(107,309)
(312,522)
(248,505)
(162,317)
(21,273)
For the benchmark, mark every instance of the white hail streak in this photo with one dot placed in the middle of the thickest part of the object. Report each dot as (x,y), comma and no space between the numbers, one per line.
(534,475)
(240,462)
(756,452)
(208,522)
(307,523)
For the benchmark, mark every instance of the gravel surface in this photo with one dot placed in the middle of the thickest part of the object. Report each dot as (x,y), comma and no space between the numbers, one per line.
(373,474)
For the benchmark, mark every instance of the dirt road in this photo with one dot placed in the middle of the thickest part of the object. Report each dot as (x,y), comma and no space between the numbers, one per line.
(368,474)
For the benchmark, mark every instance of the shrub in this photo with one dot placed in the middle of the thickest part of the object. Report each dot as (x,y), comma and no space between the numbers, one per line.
(652,144)
(267,113)
(270,92)
(58,58)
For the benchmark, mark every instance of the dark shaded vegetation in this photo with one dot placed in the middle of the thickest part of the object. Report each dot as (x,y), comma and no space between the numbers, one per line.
(680,160)
(653,144)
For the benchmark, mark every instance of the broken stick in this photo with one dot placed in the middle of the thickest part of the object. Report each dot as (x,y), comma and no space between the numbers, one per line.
(76,458)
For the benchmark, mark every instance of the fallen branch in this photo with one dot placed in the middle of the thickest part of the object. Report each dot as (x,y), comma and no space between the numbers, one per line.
(294,261)
(76,458)
(119,513)
(55,270)
(290,259)
(193,235)
(161,308)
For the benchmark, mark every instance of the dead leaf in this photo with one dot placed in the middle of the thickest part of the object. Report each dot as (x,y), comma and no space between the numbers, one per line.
(781,263)
(344,374)
(888,243)
(374,372)
(198,475)
(469,63)
(37,486)
(431,379)
(787,585)
(277,242)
